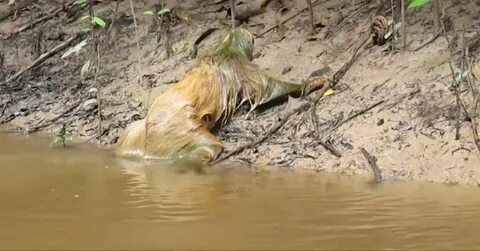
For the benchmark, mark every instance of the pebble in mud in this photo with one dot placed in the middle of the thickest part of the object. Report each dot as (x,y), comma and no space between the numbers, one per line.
(89,105)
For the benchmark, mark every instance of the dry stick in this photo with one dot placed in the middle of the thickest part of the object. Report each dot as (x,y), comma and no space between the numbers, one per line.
(114,19)
(44,57)
(96,52)
(392,6)
(436,13)
(373,164)
(40,20)
(437,35)
(341,72)
(167,36)
(271,131)
(310,12)
(330,148)
(99,85)
(336,77)
(474,91)
(459,103)
(404,27)
(202,37)
(18,7)
(289,18)
(345,20)
(54,119)
(232,12)
(139,59)
(356,114)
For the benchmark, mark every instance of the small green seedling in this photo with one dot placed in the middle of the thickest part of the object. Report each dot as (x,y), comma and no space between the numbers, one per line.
(82,3)
(157,12)
(460,77)
(96,21)
(62,135)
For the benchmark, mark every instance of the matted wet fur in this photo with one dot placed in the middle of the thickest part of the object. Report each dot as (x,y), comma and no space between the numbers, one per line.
(179,121)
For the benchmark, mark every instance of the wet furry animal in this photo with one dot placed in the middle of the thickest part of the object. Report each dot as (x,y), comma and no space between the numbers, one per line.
(179,121)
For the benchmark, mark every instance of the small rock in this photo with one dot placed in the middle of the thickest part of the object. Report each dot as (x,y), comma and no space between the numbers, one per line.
(92,90)
(89,104)
(335,19)
(380,122)
(286,70)
(402,126)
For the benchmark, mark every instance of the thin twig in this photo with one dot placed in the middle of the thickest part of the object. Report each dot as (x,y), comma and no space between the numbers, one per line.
(30,25)
(202,37)
(356,114)
(99,89)
(137,41)
(325,145)
(474,91)
(44,57)
(436,17)
(345,20)
(289,18)
(271,131)
(377,174)
(404,27)
(54,119)
(114,19)
(232,12)
(310,13)
(437,35)
(336,78)
(18,7)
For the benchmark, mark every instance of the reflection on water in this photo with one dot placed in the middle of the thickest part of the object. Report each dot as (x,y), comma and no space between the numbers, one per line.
(83,198)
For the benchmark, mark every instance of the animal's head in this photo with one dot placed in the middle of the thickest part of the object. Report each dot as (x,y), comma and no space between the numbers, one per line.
(236,41)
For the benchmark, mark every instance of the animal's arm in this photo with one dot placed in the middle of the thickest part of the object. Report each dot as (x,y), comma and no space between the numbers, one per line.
(269,88)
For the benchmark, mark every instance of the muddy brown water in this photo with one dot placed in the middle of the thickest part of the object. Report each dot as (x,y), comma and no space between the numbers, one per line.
(81,197)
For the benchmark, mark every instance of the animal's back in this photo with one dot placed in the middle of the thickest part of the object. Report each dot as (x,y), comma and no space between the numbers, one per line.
(178,121)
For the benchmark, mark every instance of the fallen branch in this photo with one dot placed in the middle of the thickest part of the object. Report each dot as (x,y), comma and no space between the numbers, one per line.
(377,174)
(54,119)
(290,18)
(271,131)
(330,148)
(344,21)
(139,51)
(18,7)
(336,78)
(312,18)
(356,114)
(475,96)
(43,57)
(232,12)
(202,37)
(427,43)
(40,20)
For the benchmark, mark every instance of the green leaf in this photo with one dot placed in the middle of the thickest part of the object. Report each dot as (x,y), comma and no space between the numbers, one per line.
(446,65)
(417,3)
(149,12)
(100,22)
(163,11)
(82,3)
